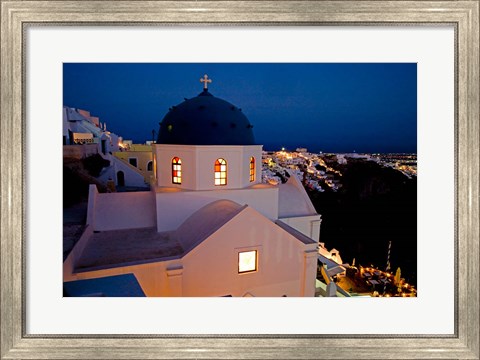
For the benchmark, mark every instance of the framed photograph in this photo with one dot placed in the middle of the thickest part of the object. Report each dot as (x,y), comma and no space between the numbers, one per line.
(290,55)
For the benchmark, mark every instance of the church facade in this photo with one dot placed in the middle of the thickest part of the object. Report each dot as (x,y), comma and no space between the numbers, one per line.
(209,226)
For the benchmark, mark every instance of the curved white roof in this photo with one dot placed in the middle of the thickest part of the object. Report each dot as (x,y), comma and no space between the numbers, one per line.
(204,222)
(293,200)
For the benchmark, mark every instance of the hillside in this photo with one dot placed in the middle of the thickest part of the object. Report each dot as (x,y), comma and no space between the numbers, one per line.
(375,205)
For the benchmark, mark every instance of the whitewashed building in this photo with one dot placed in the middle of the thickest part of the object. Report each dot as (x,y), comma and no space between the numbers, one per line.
(209,226)
(80,127)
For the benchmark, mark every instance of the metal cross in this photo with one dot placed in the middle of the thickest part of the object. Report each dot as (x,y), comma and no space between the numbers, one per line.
(205,80)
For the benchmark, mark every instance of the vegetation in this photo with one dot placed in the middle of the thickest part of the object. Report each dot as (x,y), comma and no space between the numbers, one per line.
(94,164)
(78,175)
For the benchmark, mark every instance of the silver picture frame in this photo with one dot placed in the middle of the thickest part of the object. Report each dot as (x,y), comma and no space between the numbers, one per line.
(16,16)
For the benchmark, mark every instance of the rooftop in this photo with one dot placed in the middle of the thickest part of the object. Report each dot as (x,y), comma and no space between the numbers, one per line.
(293,200)
(127,247)
(115,248)
(297,234)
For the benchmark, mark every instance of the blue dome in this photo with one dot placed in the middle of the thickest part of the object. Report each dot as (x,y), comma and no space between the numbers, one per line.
(205,120)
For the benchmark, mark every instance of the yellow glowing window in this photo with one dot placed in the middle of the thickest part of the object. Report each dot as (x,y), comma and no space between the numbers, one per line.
(247,261)
(220,172)
(176,170)
(252,169)
(155,165)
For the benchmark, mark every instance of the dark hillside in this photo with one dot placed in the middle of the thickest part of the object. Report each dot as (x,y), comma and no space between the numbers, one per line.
(375,205)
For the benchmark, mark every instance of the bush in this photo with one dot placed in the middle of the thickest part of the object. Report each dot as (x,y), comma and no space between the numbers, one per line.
(94,164)
(75,189)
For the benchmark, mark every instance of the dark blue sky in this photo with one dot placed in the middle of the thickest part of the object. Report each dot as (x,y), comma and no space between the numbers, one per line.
(324,107)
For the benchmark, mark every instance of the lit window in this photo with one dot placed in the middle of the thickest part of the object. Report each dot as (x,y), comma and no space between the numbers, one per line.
(155,165)
(252,169)
(247,261)
(220,172)
(176,170)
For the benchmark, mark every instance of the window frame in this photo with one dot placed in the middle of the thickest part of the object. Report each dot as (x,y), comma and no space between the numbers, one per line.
(222,174)
(252,168)
(256,250)
(176,164)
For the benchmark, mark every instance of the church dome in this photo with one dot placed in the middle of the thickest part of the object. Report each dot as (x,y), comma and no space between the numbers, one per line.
(205,120)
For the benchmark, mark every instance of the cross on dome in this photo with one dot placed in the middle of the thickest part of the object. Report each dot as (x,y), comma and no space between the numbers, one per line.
(205,80)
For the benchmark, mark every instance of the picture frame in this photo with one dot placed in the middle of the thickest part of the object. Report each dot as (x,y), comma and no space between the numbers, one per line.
(17,15)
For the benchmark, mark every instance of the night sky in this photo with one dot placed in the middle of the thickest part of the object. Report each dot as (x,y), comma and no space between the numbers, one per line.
(323,107)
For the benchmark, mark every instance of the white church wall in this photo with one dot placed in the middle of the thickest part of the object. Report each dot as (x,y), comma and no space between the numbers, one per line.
(206,157)
(211,269)
(198,165)
(307,225)
(248,152)
(264,199)
(164,156)
(310,261)
(286,266)
(115,211)
(173,208)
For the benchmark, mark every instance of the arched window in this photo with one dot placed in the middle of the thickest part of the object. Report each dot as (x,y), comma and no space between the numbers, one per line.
(252,169)
(150,165)
(220,172)
(176,170)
